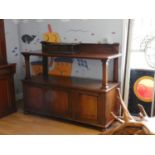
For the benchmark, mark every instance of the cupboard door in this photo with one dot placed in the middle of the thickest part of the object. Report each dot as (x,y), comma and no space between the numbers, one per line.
(58,102)
(34,99)
(87,107)
(112,105)
(5,96)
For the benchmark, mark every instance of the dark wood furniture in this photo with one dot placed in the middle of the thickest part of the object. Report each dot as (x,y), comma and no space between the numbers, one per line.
(7,94)
(87,101)
(3,59)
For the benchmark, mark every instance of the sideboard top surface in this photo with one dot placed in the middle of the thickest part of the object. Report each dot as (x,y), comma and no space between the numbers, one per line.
(71,82)
(87,51)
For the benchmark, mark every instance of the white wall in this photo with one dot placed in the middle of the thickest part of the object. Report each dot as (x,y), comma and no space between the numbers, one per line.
(71,31)
(13,52)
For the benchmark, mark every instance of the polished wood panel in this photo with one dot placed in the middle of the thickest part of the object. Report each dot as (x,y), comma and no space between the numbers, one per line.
(105,74)
(111,98)
(79,48)
(87,107)
(82,55)
(71,82)
(58,102)
(115,77)
(3,59)
(35,101)
(7,94)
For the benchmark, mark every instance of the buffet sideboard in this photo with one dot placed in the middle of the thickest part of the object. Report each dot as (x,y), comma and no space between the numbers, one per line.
(82,100)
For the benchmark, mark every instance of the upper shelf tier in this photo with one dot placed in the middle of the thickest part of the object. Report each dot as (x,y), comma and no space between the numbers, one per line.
(82,55)
(81,50)
(103,52)
(84,50)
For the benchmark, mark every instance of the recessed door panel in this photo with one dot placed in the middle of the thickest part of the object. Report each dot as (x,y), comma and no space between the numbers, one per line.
(5,101)
(87,107)
(34,99)
(58,102)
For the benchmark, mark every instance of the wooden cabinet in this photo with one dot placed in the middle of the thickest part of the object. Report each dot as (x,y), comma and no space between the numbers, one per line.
(7,94)
(87,101)
(87,107)
(3,59)
(58,102)
(34,98)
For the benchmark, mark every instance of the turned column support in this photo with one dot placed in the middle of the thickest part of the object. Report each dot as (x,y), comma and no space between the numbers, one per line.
(105,74)
(45,66)
(27,66)
(115,76)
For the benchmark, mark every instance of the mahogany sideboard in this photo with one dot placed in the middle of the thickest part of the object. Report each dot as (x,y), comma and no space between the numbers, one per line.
(7,93)
(3,59)
(87,101)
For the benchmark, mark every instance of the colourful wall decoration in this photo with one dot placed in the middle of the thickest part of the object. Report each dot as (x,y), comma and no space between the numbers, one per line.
(36,67)
(51,36)
(83,63)
(26,35)
(15,51)
(141,90)
(57,67)
(60,67)
(27,39)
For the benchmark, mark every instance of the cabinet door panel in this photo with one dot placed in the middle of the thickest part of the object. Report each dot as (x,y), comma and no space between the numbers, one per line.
(112,105)
(5,100)
(58,102)
(34,99)
(87,107)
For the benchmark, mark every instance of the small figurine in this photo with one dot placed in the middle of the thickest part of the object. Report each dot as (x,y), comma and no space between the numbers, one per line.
(51,36)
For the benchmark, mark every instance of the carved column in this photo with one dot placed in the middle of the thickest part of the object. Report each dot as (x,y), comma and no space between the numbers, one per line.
(105,74)
(115,76)
(27,66)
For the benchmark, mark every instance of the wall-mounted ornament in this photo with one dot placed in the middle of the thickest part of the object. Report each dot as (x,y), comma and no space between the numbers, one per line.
(27,39)
(82,63)
(141,90)
(15,51)
(51,36)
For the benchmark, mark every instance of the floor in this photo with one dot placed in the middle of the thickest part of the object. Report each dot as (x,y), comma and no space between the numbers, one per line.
(26,124)
(19,124)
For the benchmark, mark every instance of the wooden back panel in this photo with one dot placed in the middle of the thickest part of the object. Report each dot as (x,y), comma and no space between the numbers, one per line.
(3,59)
(80,48)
